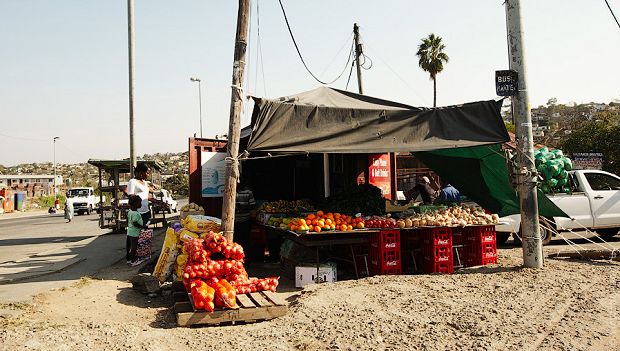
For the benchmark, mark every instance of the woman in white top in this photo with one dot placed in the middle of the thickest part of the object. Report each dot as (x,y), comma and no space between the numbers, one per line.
(139,186)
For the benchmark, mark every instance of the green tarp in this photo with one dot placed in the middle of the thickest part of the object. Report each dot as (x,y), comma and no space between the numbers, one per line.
(480,172)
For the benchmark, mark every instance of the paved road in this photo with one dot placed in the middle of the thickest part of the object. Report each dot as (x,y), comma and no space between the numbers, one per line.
(26,236)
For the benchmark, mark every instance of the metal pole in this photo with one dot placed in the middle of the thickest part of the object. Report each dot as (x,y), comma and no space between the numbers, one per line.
(359,49)
(530,231)
(130,30)
(234,126)
(55,194)
(200,106)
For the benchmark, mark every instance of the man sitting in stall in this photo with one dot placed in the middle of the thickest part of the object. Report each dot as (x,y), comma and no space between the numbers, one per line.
(423,188)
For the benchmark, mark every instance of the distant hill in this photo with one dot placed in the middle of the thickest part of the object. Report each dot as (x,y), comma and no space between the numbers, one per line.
(83,174)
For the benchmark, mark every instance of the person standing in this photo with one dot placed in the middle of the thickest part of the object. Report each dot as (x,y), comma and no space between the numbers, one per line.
(68,210)
(134,224)
(139,186)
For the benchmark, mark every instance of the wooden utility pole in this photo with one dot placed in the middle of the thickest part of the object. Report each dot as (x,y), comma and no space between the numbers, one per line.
(530,231)
(234,124)
(359,50)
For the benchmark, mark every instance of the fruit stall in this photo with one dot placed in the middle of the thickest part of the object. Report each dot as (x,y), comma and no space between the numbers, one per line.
(422,239)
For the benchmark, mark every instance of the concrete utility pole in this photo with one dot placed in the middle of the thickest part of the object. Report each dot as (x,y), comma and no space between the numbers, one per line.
(359,49)
(132,150)
(530,231)
(234,124)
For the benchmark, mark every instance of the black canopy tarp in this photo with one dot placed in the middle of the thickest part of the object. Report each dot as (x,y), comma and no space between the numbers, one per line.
(326,120)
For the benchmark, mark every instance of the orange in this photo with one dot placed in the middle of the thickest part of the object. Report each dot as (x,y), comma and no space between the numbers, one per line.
(343,227)
(348,220)
(333,226)
(349,227)
(336,215)
(317,229)
(319,213)
(311,216)
(308,221)
(328,221)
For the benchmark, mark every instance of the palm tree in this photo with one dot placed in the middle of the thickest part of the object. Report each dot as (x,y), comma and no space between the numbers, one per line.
(432,59)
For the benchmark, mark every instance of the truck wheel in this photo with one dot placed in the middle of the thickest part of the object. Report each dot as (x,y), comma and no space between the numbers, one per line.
(607,233)
(502,237)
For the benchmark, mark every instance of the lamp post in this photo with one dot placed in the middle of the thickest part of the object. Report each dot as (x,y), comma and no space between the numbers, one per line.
(196,79)
(55,195)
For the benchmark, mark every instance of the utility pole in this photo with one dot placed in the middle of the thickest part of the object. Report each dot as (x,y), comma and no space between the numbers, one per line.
(132,150)
(234,124)
(530,231)
(359,49)
(55,192)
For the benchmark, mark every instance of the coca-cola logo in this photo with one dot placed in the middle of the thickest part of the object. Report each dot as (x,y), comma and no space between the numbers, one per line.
(443,242)
(442,259)
(390,246)
(391,263)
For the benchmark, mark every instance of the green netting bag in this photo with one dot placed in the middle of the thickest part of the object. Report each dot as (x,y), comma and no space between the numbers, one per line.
(562,182)
(558,153)
(544,188)
(568,164)
(547,171)
(563,175)
(552,183)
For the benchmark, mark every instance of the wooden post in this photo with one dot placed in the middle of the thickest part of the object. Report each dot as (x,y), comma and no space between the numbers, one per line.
(234,124)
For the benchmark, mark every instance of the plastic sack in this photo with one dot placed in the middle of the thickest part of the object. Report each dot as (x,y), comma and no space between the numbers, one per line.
(186,235)
(202,224)
(563,175)
(563,182)
(568,164)
(168,256)
(552,183)
(180,263)
(557,153)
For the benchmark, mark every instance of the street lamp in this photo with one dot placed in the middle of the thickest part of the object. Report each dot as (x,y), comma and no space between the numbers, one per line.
(196,79)
(55,198)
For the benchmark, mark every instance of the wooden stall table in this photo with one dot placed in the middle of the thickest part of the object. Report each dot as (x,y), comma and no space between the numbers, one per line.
(324,239)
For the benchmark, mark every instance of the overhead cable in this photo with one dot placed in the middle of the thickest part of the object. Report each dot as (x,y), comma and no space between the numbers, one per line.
(301,57)
(612,13)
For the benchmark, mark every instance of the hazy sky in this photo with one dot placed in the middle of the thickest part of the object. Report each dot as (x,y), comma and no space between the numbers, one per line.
(64,71)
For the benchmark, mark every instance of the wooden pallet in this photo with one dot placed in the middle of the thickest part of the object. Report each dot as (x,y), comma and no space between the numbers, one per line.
(253,307)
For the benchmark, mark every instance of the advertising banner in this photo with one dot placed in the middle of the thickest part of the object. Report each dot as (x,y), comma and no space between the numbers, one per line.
(213,173)
(588,160)
(379,173)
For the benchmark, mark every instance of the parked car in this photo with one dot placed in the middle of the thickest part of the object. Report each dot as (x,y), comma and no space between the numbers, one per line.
(594,204)
(83,199)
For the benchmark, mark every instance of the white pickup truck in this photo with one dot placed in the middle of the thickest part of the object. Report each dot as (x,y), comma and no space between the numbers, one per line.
(593,204)
(84,200)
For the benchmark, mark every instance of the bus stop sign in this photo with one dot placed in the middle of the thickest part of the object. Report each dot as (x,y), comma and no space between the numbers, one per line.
(506,83)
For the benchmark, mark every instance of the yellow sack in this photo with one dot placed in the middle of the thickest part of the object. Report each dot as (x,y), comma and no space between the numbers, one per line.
(201,224)
(167,257)
(181,262)
(186,235)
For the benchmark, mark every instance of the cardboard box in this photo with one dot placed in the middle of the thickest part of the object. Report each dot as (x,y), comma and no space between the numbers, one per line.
(306,274)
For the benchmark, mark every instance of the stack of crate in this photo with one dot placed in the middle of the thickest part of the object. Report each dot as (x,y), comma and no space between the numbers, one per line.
(480,245)
(384,252)
(437,250)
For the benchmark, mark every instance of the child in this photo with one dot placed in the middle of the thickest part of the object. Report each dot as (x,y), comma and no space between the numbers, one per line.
(134,224)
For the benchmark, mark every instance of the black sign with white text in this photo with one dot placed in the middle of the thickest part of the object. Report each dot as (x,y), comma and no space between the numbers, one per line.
(506,83)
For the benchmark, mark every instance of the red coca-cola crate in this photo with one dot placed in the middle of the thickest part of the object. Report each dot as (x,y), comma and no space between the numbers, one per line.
(437,254)
(480,234)
(445,268)
(457,236)
(479,254)
(385,262)
(441,236)
(385,240)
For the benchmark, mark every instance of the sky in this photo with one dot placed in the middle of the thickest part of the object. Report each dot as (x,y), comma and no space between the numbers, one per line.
(64,63)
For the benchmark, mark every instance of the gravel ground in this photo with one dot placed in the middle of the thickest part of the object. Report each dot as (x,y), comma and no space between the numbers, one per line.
(568,305)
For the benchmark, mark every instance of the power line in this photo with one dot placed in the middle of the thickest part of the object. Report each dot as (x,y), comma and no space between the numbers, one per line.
(260,47)
(612,13)
(301,57)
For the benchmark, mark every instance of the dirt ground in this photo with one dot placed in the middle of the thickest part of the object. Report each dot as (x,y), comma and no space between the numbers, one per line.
(568,305)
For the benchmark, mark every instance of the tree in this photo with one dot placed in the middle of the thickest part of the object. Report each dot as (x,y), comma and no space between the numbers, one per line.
(432,58)
(178,184)
(600,135)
